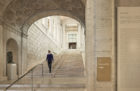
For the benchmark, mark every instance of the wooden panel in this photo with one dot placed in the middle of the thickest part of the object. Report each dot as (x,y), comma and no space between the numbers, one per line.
(103,69)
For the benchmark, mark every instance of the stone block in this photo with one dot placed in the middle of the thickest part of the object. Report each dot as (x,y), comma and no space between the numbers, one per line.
(103,45)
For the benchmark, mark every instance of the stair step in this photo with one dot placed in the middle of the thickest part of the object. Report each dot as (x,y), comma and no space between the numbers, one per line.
(44,87)
(47,89)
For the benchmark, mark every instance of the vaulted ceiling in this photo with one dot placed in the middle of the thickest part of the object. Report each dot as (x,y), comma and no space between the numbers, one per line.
(16,12)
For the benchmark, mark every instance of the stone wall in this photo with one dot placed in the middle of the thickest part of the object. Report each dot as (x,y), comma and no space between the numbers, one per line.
(104,40)
(128,48)
(1,52)
(100,28)
(75,28)
(129,3)
(128,45)
(39,44)
(12,33)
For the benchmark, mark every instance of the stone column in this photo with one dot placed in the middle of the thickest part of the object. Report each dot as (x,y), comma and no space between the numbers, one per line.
(23,53)
(90,45)
(1,52)
(99,20)
(79,37)
(64,37)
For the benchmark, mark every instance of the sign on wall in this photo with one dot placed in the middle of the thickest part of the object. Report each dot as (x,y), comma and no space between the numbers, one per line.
(103,69)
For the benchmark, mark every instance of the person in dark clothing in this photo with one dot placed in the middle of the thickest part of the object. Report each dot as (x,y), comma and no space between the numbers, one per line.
(49,59)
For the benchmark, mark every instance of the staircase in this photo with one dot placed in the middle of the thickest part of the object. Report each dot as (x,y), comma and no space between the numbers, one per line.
(72,65)
(67,75)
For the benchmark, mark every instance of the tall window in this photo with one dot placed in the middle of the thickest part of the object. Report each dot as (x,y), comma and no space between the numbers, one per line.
(45,22)
(72,37)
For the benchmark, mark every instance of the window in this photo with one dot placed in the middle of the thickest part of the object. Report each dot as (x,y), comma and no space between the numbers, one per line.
(45,22)
(72,37)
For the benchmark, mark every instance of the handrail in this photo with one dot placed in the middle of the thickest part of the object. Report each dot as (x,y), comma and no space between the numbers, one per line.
(28,71)
(22,76)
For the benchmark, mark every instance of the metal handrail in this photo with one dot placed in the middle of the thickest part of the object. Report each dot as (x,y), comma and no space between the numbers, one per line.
(30,70)
(22,76)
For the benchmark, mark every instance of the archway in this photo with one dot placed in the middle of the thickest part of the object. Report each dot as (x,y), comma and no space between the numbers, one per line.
(42,38)
(18,12)
(12,52)
(28,22)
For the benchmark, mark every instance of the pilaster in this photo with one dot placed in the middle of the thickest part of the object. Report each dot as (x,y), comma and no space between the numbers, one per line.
(90,45)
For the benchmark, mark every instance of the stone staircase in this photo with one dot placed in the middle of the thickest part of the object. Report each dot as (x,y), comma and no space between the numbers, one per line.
(67,75)
(72,65)
(47,89)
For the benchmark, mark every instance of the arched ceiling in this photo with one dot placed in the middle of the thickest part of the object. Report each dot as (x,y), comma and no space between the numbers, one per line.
(18,12)
(3,5)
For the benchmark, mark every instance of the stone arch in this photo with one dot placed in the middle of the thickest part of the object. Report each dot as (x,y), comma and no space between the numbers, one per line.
(19,11)
(12,49)
(43,14)
(20,14)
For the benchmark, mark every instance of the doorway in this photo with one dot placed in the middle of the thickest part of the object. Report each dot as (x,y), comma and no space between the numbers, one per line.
(72,45)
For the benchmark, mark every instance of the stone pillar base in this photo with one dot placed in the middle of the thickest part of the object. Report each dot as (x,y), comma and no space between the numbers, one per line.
(12,71)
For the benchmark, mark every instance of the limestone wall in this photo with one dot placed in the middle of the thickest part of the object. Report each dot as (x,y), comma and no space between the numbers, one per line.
(1,52)
(71,26)
(128,49)
(130,3)
(38,45)
(104,45)
(14,34)
(128,45)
